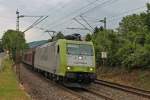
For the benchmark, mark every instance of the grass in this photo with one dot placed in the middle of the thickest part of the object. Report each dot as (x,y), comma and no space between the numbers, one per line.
(136,78)
(9,86)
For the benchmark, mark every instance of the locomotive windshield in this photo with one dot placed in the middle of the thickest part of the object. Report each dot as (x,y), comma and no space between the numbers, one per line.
(79,49)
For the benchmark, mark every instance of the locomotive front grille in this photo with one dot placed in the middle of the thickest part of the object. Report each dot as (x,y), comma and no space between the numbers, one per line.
(80,76)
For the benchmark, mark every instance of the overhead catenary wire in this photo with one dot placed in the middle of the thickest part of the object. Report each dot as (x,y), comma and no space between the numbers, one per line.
(86,22)
(101,4)
(93,2)
(126,12)
(82,24)
(36,23)
(79,9)
(117,17)
(75,16)
(60,6)
(40,16)
(72,28)
(96,20)
(90,3)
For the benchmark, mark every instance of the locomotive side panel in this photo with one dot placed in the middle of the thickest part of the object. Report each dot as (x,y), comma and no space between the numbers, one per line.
(46,58)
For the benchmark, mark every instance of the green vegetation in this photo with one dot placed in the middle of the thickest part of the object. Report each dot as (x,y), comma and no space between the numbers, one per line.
(128,51)
(127,47)
(14,42)
(137,78)
(59,35)
(88,37)
(9,87)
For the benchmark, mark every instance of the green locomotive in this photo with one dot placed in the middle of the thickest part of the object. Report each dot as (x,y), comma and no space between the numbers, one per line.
(68,61)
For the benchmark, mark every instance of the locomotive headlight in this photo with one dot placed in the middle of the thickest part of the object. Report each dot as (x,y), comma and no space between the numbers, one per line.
(91,69)
(80,57)
(68,68)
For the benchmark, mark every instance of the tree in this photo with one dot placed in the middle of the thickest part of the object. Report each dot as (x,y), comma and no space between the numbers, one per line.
(130,46)
(13,41)
(106,41)
(135,32)
(134,23)
(147,17)
(88,37)
(1,47)
(59,35)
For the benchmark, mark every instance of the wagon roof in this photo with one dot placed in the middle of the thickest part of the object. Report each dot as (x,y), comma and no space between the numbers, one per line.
(37,43)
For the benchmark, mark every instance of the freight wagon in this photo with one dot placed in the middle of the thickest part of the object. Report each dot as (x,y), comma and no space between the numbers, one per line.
(28,56)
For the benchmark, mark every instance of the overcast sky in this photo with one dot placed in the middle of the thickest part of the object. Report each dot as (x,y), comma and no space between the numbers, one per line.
(62,12)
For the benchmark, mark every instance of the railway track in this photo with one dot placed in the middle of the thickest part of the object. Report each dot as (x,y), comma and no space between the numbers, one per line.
(133,90)
(97,94)
(86,94)
(90,93)
(83,94)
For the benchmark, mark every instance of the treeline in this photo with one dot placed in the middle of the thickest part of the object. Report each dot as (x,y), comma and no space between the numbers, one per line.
(127,47)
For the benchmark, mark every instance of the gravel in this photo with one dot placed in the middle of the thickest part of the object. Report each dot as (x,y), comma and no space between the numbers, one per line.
(115,94)
(41,89)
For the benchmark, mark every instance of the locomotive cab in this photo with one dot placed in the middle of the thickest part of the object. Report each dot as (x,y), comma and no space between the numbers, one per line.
(80,62)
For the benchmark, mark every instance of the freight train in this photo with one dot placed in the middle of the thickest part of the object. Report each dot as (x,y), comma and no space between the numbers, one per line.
(68,61)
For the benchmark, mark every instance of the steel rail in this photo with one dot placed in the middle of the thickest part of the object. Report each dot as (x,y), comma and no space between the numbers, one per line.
(98,94)
(60,86)
(133,90)
(78,94)
(73,92)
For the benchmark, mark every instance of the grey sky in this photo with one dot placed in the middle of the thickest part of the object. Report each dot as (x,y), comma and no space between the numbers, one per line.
(62,12)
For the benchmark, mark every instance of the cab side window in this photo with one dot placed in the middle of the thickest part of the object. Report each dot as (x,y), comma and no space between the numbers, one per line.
(58,49)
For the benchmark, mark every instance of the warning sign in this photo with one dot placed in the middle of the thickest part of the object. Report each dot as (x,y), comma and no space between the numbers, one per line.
(104,54)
